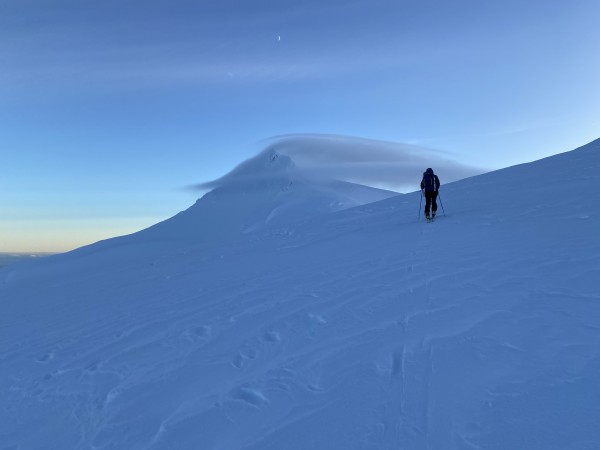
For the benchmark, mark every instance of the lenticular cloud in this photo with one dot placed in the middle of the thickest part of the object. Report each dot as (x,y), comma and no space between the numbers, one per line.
(382,164)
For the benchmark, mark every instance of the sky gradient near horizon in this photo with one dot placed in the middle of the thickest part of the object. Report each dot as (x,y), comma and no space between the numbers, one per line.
(109,109)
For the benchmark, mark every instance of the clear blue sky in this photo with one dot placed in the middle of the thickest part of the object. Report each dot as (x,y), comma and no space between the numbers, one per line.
(109,108)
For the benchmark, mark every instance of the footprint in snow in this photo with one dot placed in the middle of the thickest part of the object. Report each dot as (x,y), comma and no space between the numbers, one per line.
(200,333)
(242,357)
(272,336)
(249,395)
(45,358)
(321,320)
(92,367)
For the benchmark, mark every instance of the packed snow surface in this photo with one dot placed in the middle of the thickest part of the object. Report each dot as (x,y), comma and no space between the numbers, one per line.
(250,322)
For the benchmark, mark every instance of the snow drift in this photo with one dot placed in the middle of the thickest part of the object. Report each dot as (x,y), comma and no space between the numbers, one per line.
(363,328)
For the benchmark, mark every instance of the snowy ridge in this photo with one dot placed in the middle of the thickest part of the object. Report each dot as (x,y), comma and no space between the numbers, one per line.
(358,329)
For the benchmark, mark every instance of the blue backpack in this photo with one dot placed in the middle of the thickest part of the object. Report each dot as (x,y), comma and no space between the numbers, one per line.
(429,180)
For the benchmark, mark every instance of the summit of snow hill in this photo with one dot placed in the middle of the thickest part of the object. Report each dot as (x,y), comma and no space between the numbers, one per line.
(263,192)
(287,312)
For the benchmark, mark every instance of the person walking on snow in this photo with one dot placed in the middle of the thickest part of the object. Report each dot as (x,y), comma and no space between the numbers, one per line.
(430,184)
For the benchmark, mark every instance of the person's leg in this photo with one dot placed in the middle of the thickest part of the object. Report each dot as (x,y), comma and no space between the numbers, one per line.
(434,203)
(427,203)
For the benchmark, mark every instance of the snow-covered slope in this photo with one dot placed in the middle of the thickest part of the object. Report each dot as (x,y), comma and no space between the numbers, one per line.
(265,191)
(358,329)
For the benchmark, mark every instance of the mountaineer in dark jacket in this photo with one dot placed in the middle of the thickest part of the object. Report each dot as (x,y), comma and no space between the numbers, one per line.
(430,184)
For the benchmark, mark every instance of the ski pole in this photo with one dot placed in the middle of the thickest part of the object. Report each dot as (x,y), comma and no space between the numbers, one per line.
(441,203)
(420,201)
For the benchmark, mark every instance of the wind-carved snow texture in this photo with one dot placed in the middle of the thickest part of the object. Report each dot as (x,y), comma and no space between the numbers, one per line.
(358,329)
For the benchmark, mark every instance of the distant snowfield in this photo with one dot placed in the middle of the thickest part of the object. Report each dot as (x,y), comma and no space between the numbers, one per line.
(329,328)
(7,259)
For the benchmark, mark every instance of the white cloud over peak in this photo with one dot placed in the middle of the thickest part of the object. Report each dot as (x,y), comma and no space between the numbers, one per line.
(389,165)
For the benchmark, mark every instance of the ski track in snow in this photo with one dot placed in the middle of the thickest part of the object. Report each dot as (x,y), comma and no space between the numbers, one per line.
(362,329)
